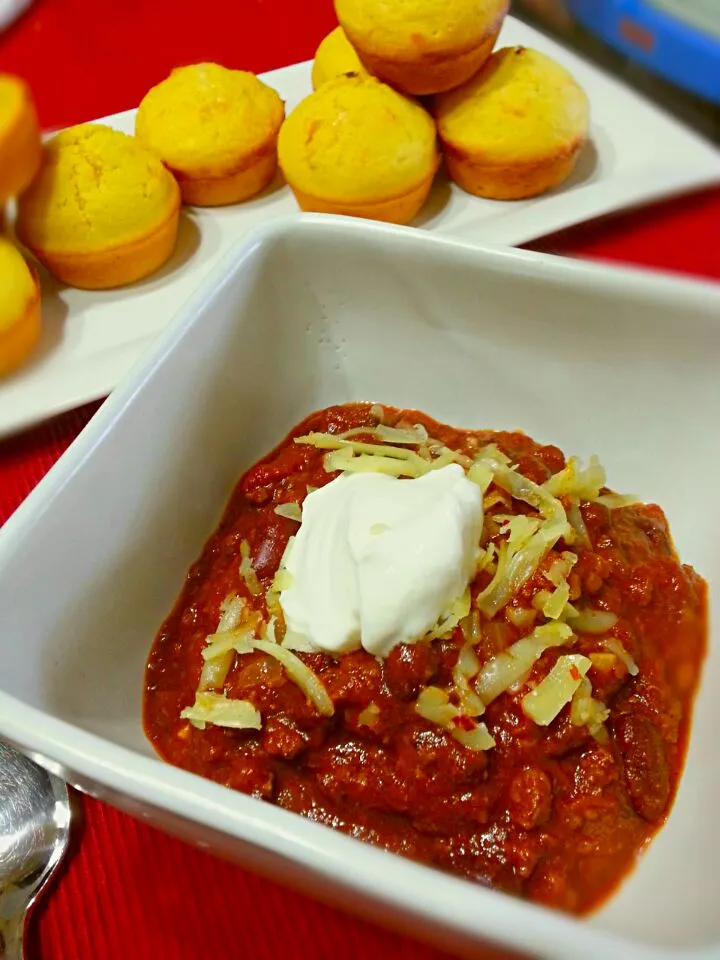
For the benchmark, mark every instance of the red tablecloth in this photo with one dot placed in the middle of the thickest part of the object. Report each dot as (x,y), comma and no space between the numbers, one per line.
(128,891)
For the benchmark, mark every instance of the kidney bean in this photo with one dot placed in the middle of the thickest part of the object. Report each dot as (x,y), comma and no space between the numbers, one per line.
(642,751)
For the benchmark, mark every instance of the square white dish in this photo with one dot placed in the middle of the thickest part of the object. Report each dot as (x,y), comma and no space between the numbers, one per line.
(91,339)
(306,313)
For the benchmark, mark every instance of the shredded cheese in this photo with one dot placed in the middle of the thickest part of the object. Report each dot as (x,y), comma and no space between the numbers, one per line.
(614,501)
(553,693)
(219,644)
(220,711)
(466,668)
(560,568)
(300,673)
(481,474)
(592,621)
(527,544)
(552,605)
(247,571)
(215,669)
(433,704)
(574,481)
(507,668)
(586,711)
(447,623)
(614,646)
(291,511)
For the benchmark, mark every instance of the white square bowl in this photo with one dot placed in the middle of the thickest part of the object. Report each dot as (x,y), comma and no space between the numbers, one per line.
(316,311)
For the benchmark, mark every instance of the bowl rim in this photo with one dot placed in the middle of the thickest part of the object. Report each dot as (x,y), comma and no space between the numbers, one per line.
(472,912)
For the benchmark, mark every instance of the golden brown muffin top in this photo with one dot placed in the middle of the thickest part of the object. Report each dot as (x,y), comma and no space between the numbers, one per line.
(334,57)
(205,120)
(97,188)
(17,284)
(520,105)
(356,139)
(409,28)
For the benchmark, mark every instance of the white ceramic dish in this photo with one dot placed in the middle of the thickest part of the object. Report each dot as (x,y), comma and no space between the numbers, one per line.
(307,313)
(92,339)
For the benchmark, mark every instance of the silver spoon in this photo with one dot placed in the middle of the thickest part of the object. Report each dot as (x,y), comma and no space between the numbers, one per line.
(34,833)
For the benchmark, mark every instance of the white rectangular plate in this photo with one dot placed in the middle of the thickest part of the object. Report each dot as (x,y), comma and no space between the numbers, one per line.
(92,339)
(593,359)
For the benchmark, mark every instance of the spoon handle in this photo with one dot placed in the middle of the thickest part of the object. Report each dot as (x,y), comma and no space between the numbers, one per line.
(12,931)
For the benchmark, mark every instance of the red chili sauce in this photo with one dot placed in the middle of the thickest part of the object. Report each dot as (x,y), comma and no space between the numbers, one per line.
(550,813)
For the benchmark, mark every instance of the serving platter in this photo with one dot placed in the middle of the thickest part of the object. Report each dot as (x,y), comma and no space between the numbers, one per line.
(92,339)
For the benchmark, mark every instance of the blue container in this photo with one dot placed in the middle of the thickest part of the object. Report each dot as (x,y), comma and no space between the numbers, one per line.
(667,45)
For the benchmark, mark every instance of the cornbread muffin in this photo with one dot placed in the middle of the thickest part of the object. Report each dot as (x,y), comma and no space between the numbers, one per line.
(216,131)
(19,308)
(422,46)
(20,148)
(102,212)
(516,129)
(334,57)
(356,147)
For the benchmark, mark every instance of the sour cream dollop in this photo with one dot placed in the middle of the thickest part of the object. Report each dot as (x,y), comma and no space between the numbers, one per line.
(378,560)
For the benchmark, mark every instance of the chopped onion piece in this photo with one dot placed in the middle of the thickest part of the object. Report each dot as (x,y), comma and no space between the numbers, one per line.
(505,669)
(546,701)
(592,621)
(247,571)
(614,646)
(585,710)
(217,709)
(603,662)
(291,511)
(368,716)
(301,674)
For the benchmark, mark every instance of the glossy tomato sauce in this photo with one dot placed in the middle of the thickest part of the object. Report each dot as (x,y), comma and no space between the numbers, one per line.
(549,814)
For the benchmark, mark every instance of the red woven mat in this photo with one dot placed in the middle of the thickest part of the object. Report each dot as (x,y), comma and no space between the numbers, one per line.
(128,891)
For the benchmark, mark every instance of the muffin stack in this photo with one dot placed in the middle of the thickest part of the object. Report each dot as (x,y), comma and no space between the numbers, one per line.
(103,209)
(511,124)
(397,87)
(20,153)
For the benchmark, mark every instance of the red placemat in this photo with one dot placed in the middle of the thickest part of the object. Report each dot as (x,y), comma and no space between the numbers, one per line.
(127,890)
